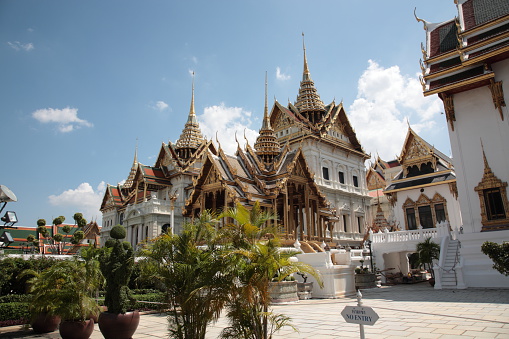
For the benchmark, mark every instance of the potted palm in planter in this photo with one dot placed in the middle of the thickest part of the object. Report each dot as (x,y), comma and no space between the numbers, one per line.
(62,291)
(117,264)
(428,251)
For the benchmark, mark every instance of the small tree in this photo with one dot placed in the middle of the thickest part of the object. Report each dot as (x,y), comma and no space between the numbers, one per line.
(117,264)
(260,261)
(499,254)
(428,251)
(197,279)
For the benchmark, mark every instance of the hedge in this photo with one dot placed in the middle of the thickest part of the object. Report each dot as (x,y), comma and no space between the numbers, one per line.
(14,313)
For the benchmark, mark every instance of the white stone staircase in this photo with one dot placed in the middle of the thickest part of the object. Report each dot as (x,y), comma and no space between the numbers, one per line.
(448,272)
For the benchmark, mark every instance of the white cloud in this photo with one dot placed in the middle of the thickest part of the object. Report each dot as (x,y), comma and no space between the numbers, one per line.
(281,76)
(161,106)
(16,45)
(67,118)
(226,121)
(385,100)
(83,199)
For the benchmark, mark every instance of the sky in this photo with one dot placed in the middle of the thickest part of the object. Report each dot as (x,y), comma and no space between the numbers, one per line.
(85,83)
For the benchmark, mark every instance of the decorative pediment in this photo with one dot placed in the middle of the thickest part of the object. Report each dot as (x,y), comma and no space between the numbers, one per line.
(374,180)
(298,170)
(437,198)
(423,200)
(416,152)
(408,202)
(212,177)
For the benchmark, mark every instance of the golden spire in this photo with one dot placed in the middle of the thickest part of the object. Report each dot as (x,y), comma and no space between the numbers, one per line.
(129,182)
(308,101)
(191,136)
(306,76)
(266,144)
(192,113)
(266,120)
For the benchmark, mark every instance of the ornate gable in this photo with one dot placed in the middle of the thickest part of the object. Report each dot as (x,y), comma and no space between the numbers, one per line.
(212,177)
(298,170)
(416,152)
(375,180)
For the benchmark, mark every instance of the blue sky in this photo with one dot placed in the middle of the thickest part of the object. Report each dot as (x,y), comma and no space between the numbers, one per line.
(83,82)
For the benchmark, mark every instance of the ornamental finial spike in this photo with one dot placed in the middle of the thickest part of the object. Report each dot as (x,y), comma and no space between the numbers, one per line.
(424,22)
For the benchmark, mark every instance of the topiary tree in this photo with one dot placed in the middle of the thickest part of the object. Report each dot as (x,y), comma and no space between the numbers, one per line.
(117,264)
(499,253)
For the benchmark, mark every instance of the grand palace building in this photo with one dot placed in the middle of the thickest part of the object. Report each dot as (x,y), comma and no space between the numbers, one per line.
(307,165)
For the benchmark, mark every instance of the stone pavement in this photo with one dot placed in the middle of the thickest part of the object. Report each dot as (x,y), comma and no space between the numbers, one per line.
(414,311)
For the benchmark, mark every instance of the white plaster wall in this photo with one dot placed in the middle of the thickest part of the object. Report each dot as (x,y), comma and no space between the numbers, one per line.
(347,199)
(476,120)
(478,268)
(453,206)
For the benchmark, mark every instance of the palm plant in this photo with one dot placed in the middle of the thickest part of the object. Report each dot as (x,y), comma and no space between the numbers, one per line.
(197,279)
(427,252)
(260,261)
(62,290)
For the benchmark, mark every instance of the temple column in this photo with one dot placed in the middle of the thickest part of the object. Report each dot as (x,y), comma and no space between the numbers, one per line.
(285,211)
(301,217)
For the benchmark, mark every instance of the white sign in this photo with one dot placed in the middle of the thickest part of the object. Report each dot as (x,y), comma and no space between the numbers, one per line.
(360,315)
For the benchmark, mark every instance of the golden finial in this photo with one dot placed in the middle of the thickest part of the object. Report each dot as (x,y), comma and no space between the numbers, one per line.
(306,70)
(425,23)
(245,138)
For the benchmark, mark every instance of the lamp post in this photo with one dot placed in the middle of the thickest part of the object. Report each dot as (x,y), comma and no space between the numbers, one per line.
(172,208)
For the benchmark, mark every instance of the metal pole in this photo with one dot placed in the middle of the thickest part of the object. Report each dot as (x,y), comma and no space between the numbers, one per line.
(359,303)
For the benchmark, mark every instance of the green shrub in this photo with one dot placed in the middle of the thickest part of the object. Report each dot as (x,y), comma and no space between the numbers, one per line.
(14,311)
(11,268)
(15,298)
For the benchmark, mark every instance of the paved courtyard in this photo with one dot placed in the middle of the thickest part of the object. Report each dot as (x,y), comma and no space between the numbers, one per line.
(413,311)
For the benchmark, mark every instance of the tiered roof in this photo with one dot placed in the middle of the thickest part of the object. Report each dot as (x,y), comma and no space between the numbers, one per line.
(459,52)
(422,165)
(308,99)
(314,119)
(266,145)
(191,137)
(246,178)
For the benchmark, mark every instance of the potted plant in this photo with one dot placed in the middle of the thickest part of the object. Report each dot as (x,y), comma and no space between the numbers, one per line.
(117,264)
(61,291)
(428,251)
(284,290)
(364,278)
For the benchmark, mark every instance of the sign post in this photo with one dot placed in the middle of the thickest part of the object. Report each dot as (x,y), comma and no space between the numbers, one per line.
(359,314)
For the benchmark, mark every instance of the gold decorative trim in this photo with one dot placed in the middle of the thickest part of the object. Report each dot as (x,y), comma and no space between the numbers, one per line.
(477,59)
(460,84)
(419,186)
(497,93)
(453,188)
(450,115)
(392,198)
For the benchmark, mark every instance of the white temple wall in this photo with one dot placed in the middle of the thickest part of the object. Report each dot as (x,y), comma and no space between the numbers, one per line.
(477,119)
(452,205)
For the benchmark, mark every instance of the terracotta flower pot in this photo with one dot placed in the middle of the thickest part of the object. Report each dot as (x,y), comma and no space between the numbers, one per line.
(118,326)
(76,329)
(44,323)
